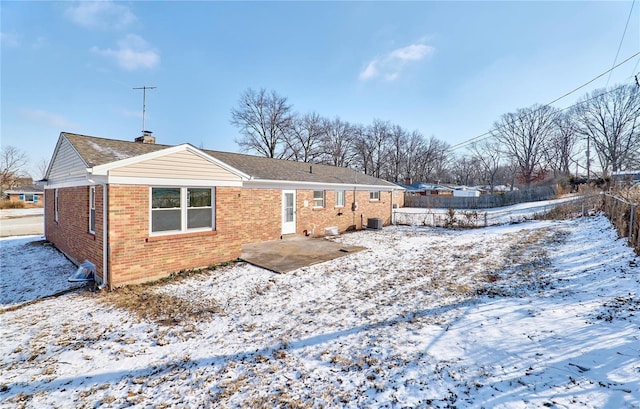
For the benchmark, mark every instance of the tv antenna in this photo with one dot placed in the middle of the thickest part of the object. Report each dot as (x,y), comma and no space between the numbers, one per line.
(144,102)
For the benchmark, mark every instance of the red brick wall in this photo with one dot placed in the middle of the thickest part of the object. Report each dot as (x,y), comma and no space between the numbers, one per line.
(242,216)
(136,257)
(315,220)
(263,212)
(70,234)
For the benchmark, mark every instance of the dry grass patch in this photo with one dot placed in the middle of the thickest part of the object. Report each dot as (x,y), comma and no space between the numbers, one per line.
(148,304)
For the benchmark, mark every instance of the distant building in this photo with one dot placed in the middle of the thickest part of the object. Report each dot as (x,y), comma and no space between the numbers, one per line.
(465,191)
(625,177)
(30,195)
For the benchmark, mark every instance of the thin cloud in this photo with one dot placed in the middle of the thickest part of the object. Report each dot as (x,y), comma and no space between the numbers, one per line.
(9,40)
(391,65)
(132,53)
(46,118)
(101,15)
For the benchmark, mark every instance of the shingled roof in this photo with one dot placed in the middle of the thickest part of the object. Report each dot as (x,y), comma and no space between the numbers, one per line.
(96,151)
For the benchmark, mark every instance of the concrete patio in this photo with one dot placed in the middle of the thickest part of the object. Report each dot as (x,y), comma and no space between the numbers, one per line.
(282,256)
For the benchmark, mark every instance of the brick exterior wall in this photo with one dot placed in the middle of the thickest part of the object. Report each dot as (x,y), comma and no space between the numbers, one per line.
(136,257)
(263,211)
(70,234)
(315,220)
(242,216)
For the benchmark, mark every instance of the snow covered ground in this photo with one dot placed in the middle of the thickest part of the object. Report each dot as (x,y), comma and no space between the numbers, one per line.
(538,314)
(11,213)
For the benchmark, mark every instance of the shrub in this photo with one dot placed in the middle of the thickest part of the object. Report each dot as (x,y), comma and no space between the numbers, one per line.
(8,204)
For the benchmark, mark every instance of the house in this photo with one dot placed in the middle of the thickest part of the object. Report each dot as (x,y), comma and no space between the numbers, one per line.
(427,190)
(140,210)
(29,195)
(465,191)
(625,177)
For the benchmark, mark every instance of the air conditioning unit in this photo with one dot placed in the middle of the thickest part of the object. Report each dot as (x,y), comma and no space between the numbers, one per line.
(374,223)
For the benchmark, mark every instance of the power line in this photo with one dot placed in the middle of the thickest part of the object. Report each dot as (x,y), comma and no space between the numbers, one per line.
(621,40)
(486,134)
(589,82)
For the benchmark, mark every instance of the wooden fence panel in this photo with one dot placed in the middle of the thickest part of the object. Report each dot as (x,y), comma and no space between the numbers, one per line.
(484,201)
(625,216)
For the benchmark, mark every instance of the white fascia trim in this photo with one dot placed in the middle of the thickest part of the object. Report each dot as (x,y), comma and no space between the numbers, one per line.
(103,169)
(124,180)
(288,184)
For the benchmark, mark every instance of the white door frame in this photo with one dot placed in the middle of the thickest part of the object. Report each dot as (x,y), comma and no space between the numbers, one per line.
(288,215)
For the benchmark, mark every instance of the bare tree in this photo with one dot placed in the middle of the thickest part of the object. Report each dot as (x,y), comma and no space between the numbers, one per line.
(305,137)
(12,163)
(432,160)
(610,120)
(263,118)
(41,167)
(466,170)
(337,143)
(396,152)
(562,144)
(523,135)
(415,146)
(489,157)
(378,134)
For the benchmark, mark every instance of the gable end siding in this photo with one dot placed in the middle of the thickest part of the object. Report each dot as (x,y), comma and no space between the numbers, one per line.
(66,164)
(179,165)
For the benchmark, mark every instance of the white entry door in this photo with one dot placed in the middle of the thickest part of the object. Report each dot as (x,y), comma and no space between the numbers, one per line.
(288,212)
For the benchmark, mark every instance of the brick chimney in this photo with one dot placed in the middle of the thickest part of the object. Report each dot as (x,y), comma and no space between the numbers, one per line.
(146,137)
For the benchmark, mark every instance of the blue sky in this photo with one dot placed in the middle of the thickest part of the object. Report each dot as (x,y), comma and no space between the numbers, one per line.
(448,69)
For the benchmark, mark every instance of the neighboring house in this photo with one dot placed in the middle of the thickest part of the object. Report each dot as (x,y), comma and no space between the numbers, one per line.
(31,196)
(465,191)
(427,190)
(140,211)
(625,177)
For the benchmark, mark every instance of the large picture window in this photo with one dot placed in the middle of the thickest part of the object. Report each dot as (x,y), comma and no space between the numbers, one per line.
(175,209)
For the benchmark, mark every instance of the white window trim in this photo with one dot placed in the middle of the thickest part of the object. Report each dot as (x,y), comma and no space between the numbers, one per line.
(183,212)
(55,205)
(324,199)
(344,198)
(92,206)
(373,194)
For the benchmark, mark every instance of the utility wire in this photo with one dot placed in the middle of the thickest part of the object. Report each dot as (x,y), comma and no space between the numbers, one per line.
(487,134)
(589,82)
(484,135)
(621,41)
